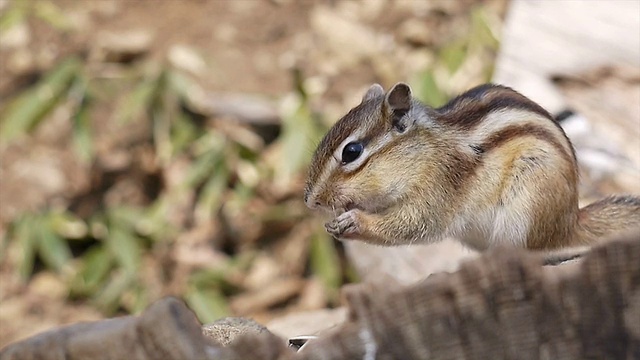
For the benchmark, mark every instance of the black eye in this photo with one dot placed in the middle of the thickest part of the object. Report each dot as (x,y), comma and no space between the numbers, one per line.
(351,152)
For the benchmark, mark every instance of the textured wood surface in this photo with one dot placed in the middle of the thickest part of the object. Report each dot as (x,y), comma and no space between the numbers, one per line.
(502,305)
(166,330)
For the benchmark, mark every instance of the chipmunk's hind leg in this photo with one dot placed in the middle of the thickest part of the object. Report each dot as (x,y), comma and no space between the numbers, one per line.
(539,201)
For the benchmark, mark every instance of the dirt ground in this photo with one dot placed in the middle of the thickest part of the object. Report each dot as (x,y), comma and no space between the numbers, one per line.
(266,49)
(245,47)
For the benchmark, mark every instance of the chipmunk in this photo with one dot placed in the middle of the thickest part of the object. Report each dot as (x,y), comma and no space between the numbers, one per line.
(491,167)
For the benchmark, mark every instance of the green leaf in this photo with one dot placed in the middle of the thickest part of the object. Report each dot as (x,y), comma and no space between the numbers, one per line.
(482,30)
(140,300)
(153,223)
(14,15)
(24,231)
(325,262)
(242,261)
(96,264)
(179,84)
(208,304)
(108,299)
(210,278)
(453,55)
(137,102)
(222,277)
(299,129)
(430,92)
(30,107)
(124,245)
(203,167)
(212,193)
(82,137)
(183,132)
(68,225)
(125,216)
(49,12)
(53,249)
(211,141)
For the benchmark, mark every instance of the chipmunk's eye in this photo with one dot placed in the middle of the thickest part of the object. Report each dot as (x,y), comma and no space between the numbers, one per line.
(351,152)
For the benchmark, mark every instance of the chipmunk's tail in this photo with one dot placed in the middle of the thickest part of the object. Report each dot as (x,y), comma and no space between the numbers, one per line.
(608,217)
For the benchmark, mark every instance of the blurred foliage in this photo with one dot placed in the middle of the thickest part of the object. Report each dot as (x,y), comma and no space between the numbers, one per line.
(457,61)
(27,110)
(45,10)
(116,238)
(103,254)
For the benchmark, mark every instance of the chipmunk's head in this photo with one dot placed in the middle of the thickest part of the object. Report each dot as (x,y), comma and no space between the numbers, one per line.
(361,162)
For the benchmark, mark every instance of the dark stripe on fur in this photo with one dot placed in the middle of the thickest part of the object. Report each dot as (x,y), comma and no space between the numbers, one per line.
(362,115)
(511,132)
(467,110)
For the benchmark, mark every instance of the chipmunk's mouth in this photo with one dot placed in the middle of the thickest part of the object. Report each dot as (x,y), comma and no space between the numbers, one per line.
(350,206)
(363,207)
(346,207)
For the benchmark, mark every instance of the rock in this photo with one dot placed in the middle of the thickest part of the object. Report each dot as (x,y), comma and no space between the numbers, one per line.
(347,40)
(225,330)
(20,62)
(122,47)
(15,37)
(166,330)
(416,32)
(186,58)
(49,286)
(242,107)
(277,292)
(307,322)
(264,271)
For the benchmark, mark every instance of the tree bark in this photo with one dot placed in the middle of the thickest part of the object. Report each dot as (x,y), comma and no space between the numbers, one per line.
(502,305)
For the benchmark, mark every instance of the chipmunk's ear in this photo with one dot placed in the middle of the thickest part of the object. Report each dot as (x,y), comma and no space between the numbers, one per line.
(398,103)
(399,97)
(374,91)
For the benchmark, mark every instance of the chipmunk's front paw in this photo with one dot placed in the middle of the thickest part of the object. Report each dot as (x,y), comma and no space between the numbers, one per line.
(345,226)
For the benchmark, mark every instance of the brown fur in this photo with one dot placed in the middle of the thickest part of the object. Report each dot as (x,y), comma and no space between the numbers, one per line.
(607,217)
(467,110)
(426,181)
(511,132)
(361,115)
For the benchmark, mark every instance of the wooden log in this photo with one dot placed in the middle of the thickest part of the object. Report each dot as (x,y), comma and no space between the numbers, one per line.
(166,330)
(503,305)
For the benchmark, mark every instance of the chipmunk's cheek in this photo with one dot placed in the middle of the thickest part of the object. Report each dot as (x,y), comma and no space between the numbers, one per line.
(345,226)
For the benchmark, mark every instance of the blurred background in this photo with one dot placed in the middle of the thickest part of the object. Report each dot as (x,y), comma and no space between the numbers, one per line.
(152,148)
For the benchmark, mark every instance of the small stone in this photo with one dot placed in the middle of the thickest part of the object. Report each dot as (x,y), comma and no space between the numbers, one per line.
(49,286)
(20,62)
(226,330)
(15,37)
(348,40)
(416,32)
(122,47)
(186,58)
(251,109)
(263,271)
